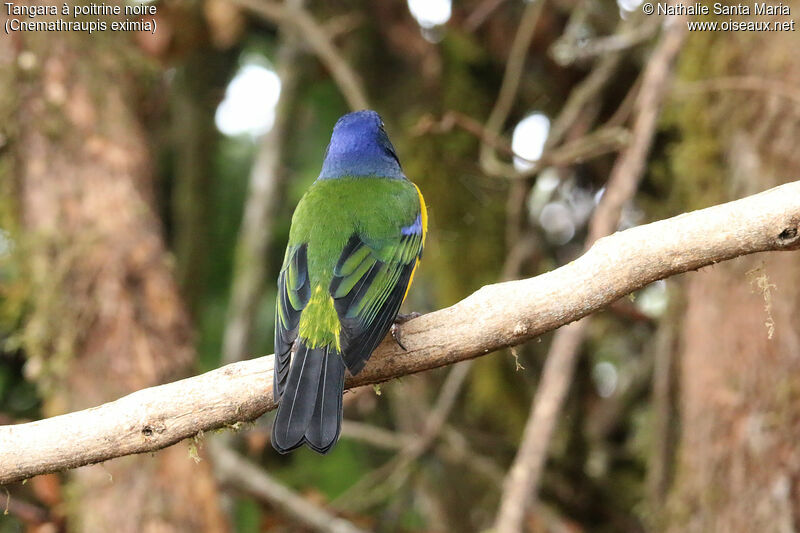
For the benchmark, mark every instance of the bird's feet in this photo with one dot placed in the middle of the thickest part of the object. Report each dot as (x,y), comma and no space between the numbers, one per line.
(395,329)
(402,319)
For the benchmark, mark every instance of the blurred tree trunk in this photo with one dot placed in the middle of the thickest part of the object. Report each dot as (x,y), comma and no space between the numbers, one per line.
(105,317)
(738,465)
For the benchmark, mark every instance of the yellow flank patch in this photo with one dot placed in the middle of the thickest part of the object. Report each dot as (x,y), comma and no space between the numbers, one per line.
(319,323)
(411,278)
(423,213)
(424,220)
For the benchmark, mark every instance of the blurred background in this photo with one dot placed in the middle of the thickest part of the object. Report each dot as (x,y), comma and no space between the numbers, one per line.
(148,181)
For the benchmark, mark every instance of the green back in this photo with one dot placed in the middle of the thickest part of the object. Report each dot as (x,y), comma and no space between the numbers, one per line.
(331,211)
(328,215)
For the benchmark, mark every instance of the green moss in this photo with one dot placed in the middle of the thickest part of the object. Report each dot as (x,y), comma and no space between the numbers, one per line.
(700,123)
(44,320)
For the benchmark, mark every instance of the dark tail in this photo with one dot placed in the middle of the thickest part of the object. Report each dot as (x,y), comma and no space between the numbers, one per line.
(310,409)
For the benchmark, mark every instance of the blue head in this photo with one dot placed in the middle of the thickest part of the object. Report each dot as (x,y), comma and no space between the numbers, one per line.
(360,147)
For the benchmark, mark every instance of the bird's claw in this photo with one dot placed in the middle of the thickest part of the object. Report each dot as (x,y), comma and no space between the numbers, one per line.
(402,319)
(396,334)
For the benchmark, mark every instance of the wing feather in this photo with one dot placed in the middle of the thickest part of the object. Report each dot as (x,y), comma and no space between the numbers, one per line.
(294,291)
(369,284)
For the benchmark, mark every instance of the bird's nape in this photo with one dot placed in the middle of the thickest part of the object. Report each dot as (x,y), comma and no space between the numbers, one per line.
(359,146)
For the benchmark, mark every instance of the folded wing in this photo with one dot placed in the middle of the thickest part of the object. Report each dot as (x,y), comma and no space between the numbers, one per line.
(294,290)
(369,283)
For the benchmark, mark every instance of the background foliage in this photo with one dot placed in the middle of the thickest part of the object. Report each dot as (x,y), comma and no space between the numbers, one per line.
(618,461)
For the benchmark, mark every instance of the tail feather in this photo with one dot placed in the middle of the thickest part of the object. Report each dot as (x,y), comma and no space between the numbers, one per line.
(310,409)
(298,400)
(326,422)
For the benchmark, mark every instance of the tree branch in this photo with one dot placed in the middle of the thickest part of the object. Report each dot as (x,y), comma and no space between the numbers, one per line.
(319,41)
(508,90)
(237,471)
(521,483)
(494,317)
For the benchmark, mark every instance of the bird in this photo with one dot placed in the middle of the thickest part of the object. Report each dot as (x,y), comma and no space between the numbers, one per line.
(355,241)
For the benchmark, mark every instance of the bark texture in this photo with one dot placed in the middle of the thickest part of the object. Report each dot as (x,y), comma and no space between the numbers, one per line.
(106,318)
(494,317)
(739,459)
